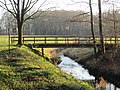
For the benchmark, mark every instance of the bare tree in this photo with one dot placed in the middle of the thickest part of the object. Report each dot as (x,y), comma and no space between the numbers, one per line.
(92,28)
(75,19)
(100,27)
(114,23)
(19,9)
(113,18)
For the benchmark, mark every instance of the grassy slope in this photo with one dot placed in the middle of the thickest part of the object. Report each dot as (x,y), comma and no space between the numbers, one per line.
(24,70)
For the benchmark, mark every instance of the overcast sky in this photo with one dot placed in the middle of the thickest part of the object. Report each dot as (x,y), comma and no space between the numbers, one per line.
(70,5)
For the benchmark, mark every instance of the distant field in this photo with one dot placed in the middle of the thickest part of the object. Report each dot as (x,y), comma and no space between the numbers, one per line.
(4,40)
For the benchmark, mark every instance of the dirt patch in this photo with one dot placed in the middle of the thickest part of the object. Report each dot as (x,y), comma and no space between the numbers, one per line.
(21,68)
(12,60)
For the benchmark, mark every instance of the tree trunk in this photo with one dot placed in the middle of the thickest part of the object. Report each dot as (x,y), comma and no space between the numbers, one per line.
(100,28)
(19,34)
(19,24)
(114,23)
(92,28)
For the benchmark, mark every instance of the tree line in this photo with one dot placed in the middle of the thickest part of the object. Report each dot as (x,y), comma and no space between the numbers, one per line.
(60,22)
(54,23)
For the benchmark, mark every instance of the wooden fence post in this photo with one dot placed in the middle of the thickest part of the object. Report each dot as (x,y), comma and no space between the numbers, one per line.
(23,40)
(45,40)
(34,40)
(42,51)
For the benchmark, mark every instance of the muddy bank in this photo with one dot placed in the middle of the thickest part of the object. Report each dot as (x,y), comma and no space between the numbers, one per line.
(106,65)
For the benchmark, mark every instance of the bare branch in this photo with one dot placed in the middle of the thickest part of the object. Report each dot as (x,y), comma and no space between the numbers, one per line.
(81,14)
(79,19)
(31,16)
(30,6)
(75,1)
(4,6)
(13,4)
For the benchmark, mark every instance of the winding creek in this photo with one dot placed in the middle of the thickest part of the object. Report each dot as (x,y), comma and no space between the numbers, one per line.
(71,67)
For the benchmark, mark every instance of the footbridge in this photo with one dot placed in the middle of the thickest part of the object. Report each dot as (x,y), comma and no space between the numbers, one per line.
(47,41)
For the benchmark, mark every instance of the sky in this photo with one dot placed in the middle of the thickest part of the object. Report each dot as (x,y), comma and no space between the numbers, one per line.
(71,5)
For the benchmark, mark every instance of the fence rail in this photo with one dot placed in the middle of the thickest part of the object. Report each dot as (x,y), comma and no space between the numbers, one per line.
(63,40)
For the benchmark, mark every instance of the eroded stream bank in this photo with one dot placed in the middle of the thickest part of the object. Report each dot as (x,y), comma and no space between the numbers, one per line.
(84,57)
(102,66)
(71,67)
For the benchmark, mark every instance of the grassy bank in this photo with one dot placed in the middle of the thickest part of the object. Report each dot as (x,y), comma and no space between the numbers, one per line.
(24,70)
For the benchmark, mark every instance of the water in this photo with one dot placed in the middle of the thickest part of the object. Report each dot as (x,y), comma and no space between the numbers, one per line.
(71,67)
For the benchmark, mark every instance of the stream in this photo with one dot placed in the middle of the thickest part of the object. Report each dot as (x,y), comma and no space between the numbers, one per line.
(71,67)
